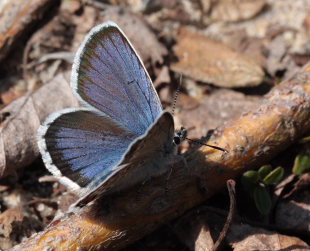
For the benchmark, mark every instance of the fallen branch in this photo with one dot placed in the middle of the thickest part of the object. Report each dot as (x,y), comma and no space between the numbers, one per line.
(17,17)
(115,221)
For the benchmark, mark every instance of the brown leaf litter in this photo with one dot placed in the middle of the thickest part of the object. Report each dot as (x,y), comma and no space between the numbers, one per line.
(213,62)
(24,116)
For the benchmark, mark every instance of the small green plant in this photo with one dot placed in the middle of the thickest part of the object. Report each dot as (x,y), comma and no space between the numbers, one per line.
(301,164)
(257,184)
(302,160)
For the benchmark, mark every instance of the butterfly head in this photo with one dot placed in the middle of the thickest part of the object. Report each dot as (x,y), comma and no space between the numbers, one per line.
(180,136)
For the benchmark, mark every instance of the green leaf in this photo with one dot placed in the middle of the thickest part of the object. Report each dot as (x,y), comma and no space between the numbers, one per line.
(249,181)
(264,171)
(274,177)
(301,163)
(251,176)
(262,199)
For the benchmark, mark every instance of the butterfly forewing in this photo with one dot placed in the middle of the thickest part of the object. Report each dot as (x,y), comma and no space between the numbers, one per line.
(109,76)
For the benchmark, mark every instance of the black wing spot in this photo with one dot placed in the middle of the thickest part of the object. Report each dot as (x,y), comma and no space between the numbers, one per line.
(132,82)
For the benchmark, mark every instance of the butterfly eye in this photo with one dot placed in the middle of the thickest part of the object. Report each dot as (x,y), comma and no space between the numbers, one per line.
(176,140)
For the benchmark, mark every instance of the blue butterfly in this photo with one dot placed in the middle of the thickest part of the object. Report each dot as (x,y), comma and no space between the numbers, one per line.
(122,136)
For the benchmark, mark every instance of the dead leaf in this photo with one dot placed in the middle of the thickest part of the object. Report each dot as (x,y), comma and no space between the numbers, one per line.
(83,24)
(279,59)
(252,47)
(209,61)
(18,141)
(7,218)
(15,198)
(155,6)
(184,12)
(14,225)
(301,59)
(276,60)
(143,39)
(194,90)
(12,93)
(236,10)
(51,38)
(162,77)
(306,23)
(294,214)
(286,17)
(16,17)
(187,103)
(243,237)
(55,36)
(214,110)
(71,6)
(193,230)
(206,5)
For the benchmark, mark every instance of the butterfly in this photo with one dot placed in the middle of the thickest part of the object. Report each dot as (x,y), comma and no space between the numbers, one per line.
(122,135)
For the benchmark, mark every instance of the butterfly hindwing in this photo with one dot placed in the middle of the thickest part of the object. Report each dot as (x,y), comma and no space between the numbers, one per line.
(109,75)
(78,145)
(148,156)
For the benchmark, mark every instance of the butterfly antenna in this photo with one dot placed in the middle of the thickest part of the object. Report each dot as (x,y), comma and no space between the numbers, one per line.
(176,96)
(212,146)
(181,134)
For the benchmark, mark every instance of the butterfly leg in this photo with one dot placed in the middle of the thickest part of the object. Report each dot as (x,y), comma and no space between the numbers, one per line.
(167,180)
(178,161)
